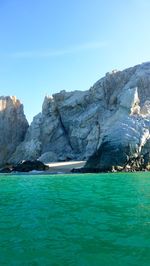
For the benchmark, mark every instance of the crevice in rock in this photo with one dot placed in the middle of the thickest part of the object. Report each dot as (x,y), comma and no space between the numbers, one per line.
(64,130)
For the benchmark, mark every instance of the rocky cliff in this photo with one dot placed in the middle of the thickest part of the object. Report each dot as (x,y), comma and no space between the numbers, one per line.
(109,124)
(13,126)
(125,141)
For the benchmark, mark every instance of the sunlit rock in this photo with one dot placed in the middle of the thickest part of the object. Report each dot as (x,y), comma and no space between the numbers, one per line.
(110,120)
(13,126)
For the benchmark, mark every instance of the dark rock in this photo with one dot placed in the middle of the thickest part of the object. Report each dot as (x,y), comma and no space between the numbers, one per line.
(6,170)
(27,166)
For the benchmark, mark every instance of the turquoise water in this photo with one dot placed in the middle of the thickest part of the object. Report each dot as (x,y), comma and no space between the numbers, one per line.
(87,220)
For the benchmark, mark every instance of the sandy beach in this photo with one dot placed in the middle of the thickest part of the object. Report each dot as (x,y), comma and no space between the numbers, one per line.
(64,167)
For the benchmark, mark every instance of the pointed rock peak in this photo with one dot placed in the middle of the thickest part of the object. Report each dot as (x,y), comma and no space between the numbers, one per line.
(9,102)
(48,105)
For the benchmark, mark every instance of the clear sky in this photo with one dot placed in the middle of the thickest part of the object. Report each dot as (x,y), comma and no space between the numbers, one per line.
(51,45)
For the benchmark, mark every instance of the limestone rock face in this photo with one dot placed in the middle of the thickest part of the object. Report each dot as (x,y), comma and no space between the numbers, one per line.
(109,123)
(13,126)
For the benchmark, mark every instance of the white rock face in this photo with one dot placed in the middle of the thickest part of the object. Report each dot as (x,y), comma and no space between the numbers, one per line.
(74,125)
(13,126)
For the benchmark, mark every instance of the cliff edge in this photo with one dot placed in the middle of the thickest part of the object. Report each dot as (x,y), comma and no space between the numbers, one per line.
(13,126)
(107,125)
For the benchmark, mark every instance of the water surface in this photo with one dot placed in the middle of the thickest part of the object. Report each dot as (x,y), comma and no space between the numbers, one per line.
(73,220)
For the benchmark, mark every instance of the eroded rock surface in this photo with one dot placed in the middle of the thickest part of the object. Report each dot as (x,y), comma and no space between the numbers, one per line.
(13,126)
(111,120)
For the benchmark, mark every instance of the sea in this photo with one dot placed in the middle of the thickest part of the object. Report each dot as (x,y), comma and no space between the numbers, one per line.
(75,219)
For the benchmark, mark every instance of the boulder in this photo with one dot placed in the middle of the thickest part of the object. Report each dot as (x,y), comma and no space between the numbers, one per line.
(6,170)
(27,166)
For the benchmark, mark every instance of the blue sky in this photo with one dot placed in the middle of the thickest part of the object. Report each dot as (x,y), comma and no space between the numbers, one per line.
(51,45)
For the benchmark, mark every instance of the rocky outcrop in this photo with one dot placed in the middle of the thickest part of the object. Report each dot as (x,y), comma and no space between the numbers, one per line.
(109,124)
(13,126)
(125,139)
(46,134)
(25,166)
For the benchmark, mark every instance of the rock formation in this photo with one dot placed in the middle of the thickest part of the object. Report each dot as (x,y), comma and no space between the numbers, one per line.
(109,124)
(25,166)
(13,126)
(125,140)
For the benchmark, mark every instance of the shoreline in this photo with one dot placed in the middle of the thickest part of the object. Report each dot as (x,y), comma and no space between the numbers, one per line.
(70,167)
(64,167)
(54,168)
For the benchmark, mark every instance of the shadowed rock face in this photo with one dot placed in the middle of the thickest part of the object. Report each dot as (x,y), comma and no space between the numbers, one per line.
(125,140)
(122,148)
(110,122)
(13,126)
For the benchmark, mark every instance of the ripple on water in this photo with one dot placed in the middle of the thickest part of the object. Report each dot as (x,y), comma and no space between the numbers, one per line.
(91,219)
